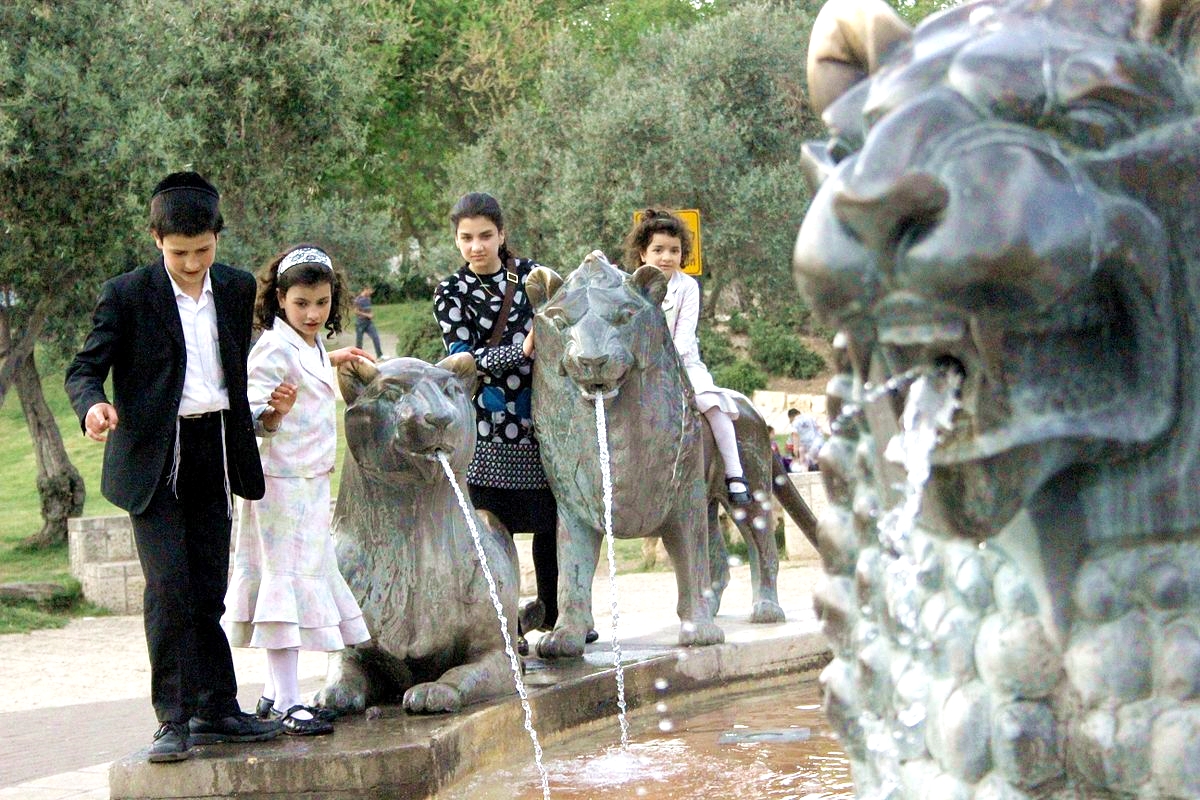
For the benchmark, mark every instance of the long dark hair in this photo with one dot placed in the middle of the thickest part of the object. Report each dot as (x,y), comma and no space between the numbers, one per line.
(481,204)
(654,221)
(266,302)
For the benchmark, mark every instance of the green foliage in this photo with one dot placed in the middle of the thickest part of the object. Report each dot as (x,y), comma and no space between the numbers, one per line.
(417,332)
(706,117)
(100,99)
(781,352)
(714,348)
(916,10)
(741,376)
(739,323)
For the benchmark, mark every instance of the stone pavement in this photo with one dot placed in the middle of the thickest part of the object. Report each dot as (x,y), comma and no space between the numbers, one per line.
(78,697)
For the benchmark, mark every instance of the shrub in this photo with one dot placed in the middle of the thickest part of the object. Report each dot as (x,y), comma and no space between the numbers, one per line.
(715,350)
(741,376)
(781,352)
(417,333)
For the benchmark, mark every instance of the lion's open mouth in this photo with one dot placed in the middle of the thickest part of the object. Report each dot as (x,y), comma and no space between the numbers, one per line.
(603,390)
(1073,371)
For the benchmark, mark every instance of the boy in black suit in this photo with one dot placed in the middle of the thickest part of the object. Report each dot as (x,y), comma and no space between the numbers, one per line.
(175,335)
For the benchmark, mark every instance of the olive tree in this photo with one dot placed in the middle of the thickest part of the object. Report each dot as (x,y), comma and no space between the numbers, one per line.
(99,99)
(711,117)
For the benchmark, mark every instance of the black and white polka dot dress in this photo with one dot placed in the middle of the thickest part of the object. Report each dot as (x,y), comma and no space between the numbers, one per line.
(466,305)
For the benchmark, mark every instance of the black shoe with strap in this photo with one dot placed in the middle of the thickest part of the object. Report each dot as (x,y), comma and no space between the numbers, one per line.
(313,725)
(170,743)
(741,495)
(236,727)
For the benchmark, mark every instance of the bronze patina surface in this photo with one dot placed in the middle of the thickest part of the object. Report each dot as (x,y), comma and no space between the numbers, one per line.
(404,546)
(1009,193)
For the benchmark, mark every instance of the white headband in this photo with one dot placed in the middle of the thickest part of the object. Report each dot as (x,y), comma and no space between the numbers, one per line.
(304,255)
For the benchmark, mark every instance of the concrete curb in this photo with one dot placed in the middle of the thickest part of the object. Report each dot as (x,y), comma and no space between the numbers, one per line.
(397,755)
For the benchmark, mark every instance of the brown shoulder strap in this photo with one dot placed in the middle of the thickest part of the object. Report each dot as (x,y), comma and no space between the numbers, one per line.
(510,288)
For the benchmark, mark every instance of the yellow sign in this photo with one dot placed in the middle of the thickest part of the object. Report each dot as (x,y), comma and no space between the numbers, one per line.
(691,218)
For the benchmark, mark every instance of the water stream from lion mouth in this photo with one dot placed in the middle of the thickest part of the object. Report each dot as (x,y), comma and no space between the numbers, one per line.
(606,483)
(929,409)
(503,620)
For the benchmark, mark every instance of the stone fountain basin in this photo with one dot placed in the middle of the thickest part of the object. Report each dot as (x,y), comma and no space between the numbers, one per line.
(399,755)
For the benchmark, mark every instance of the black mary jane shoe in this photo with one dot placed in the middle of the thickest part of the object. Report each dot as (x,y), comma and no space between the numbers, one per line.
(738,498)
(265,708)
(297,726)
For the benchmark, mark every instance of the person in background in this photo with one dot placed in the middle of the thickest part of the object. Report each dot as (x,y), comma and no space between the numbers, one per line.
(804,442)
(364,320)
(287,594)
(179,441)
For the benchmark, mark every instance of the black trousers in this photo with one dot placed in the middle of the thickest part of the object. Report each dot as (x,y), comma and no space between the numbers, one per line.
(529,511)
(183,545)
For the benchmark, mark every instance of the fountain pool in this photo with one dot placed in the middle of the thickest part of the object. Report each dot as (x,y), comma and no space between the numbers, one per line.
(768,740)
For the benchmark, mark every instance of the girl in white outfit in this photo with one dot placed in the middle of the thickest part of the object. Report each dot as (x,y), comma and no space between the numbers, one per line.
(660,239)
(286,593)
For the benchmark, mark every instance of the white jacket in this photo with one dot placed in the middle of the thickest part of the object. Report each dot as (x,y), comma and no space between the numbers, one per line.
(305,445)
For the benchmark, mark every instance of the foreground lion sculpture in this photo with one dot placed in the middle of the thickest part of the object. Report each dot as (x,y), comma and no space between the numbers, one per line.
(601,331)
(1010,195)
(404,546)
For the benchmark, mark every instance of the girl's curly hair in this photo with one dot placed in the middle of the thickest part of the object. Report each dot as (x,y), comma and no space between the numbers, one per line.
(650,222)
(270,286)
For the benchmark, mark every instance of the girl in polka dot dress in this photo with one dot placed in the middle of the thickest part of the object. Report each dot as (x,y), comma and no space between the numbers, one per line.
(505,477)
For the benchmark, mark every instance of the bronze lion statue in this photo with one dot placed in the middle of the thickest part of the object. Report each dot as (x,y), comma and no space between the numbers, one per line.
(602,331)
(1008,203)
(406,551)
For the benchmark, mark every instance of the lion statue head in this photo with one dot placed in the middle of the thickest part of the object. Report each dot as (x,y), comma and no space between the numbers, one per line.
(1008,196)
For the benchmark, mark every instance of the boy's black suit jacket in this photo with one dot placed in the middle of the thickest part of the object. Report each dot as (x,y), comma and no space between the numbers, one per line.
(136,333)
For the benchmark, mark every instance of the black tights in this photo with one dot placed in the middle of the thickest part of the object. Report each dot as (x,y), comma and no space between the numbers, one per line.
(529,511)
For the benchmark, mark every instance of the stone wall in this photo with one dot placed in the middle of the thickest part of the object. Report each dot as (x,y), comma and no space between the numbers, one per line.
(104,560)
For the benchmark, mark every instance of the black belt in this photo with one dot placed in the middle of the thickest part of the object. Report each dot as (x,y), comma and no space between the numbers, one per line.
(207,415)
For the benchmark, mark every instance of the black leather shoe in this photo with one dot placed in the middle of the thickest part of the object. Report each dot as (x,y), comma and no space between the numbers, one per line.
(298,726)
(170,743)
(265,708)
(237,727)
(591,636)
(741,497)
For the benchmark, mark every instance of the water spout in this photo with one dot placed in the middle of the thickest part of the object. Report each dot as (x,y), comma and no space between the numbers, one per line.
(508,644)
(606,483)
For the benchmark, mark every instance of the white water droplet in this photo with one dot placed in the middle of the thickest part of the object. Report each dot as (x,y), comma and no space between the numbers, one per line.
(662,684)
(661,708)
(665,725)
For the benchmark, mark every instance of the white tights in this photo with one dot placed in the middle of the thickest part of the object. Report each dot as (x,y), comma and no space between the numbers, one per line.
(283,681)
(726,439)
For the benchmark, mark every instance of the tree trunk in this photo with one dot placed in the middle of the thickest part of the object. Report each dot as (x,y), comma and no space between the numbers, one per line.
(12,353)
(59,484)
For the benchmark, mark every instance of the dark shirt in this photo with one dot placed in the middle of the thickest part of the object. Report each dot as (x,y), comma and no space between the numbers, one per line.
(465,306)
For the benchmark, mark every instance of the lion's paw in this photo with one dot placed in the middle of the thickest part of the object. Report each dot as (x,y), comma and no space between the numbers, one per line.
(432,698)
(561,643)
(343,697)
(767,611)
(695,634)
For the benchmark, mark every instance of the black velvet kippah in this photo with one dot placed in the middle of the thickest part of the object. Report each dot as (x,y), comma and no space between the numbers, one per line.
(185,180)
